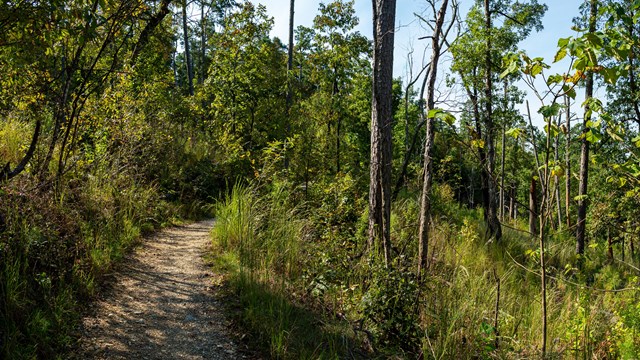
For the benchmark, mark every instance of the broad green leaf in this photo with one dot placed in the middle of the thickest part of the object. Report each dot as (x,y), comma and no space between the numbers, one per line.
(554,79)
(593,136)
(550,110)
(443,115)
(561,54)
(562,42)
(570,91)
(553,132)
(613,135)
(434,113)
(514,132)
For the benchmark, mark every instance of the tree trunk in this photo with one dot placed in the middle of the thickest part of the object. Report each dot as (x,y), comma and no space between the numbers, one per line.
(289,79)
(187,51)
(584,151)
(532,207)
(203,45)
(425,199)
(633,86)
(491,216)
(557,178)
(410,147)
(502,154)
(567,164)
(6,173)
(502,200)
(152,24)
(384,12)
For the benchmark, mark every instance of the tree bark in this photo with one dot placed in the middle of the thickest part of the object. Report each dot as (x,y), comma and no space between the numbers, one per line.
(532,206)
(384,12)
(152,24)
(203,45)
(491,216)
(633,86)
(289,78)
(425,199)
(584,150)
(6,173)
(502,154)
(567,164)
(187,51)
(557,178)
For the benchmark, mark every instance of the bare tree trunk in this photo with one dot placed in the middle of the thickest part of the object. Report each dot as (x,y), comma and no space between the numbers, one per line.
(584,151)
(633,86)
(557,178)
(384,13)
(203,46)
(491,216)
(410,146)
(502,154)
(187,51)
(532,207)
(567,160)
(502,200)
(543,274)
(152,24)
(6,173)
(289,79)
(425,199)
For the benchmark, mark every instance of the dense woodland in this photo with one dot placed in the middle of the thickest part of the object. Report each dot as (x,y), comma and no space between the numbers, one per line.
(358,215)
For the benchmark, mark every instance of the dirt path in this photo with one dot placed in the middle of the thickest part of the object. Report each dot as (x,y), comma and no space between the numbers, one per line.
(162,305)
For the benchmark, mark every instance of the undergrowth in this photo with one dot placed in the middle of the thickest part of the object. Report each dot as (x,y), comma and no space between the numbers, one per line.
(60,236)
(479,300)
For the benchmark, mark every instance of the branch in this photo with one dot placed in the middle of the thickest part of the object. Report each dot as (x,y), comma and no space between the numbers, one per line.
(6,173)
(510,18)
(149,28)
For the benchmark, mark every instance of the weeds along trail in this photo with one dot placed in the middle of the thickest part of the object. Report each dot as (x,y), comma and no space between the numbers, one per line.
(162,304)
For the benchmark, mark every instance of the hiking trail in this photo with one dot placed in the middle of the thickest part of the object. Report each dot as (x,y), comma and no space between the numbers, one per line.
(162,304)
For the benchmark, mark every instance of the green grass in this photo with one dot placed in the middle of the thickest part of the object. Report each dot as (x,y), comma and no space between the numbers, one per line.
(451,315)
(258,247)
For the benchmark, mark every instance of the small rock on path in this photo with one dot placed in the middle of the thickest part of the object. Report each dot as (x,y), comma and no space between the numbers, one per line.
(162,305)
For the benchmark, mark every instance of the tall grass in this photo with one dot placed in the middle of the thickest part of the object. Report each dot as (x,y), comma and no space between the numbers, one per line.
(470,284)
(259,242)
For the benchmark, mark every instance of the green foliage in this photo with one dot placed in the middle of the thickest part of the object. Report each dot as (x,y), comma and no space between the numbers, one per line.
(389,307)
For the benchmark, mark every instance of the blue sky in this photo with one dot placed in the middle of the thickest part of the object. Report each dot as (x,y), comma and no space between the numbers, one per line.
(557,24)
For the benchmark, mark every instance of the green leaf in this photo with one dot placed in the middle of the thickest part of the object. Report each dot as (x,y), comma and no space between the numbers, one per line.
(613,135)
(554,131)
(561,54)
(443,115)
(536,69)
(550,110)
(514,132)
(477,143)
(554,79)
(563,42)
(580,197)
(570,91)
(593,136)
(434,112)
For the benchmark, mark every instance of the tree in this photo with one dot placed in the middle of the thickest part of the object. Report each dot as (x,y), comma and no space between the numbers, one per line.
(486,44)
(432,112)
(187,47)
(289,77)
(384,12)
(584,144)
